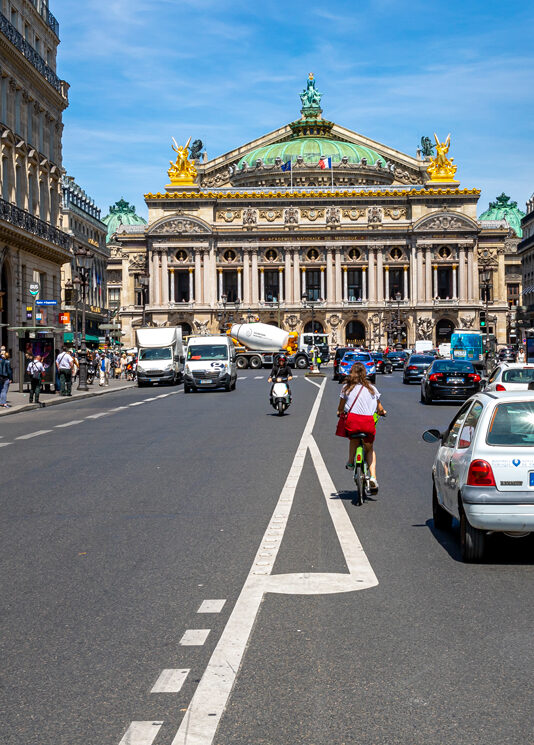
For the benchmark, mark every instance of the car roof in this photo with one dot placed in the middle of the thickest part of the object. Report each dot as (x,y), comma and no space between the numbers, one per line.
(515,365)
(505,396)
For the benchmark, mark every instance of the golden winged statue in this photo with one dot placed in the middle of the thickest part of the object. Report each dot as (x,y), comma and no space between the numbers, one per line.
(182,171)
(441,168)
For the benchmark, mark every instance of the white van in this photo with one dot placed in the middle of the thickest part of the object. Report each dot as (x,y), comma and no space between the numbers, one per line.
(210,363)
(161,355)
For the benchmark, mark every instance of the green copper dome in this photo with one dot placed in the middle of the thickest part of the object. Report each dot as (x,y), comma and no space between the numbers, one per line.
(311,149)
(503,209)
(121,213)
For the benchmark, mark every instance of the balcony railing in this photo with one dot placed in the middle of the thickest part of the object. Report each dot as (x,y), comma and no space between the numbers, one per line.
(22,219)
(26,49)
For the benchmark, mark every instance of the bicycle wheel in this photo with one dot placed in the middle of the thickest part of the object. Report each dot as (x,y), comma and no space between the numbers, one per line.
(359,481)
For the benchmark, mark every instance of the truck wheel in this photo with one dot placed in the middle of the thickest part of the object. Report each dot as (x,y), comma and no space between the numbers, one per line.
(301,363)
(255,363)
(241,363)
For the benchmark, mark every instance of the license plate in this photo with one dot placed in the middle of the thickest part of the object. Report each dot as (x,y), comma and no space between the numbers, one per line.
(460,353)
(454,381)
(531,478)
(204,382)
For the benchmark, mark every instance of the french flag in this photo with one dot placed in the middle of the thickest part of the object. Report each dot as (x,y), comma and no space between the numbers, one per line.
(325,162)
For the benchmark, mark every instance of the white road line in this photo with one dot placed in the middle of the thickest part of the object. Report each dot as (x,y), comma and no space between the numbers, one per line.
(97,416)
(69,424)
(200,723)
(313,382)
(118,408)
(137,403)
(4,444)
(211,606)
(243,377)
(170,681)
(194,637)
(259,377)
(33,434)
(150,399)
(141,733)
(163,395)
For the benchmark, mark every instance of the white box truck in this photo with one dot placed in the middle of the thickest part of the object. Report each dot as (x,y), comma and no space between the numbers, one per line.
(161,355)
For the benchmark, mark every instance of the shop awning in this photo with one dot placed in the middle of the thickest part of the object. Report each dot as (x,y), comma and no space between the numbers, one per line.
(69,337)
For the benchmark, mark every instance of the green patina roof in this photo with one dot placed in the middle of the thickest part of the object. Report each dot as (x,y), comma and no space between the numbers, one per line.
(311,149)
(503,209)
(121,213)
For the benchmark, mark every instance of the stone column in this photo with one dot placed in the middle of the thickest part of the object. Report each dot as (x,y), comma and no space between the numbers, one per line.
(322,284)
(280,285)
(219,298)
(338,275)
(262,285)
(239,285)
(330,294)
(151,283)
(435,288)
(470,296)
(380,275)
(303,286)
(454,283)
(405,267)
(364,284)
(372,291)
(287,276)
(296,276)
(421,294)
(461,278)
(164,279)
(246,277)
(198,277)
(172,288)
(428,274)
(386,279)
(499,291)
(206,276)
(157,278)
(345,284)
(255,294)
(476,278)
(413,278)
(191,285)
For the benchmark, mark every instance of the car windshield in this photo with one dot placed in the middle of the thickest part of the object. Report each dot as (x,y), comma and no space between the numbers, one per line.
(512,424)
(420,359)
(356,357)
(452,366)
(207,352)
(161,353)
(377,355)
(525,375)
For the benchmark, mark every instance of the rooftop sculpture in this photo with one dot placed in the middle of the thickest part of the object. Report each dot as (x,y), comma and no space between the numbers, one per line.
(182,172)
(441,168)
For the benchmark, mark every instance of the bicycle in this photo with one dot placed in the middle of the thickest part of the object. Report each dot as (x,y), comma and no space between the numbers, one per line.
(362,474)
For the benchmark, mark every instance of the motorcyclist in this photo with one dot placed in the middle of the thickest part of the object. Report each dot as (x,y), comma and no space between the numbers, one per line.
(282,370)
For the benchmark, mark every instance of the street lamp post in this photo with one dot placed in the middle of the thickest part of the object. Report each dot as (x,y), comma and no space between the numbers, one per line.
(485,278)
(143,281)
(82,278)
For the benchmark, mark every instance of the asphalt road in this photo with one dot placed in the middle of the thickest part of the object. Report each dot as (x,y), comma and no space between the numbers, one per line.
(118,523)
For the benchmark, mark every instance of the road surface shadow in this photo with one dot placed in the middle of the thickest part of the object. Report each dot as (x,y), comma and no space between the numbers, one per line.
(348,495)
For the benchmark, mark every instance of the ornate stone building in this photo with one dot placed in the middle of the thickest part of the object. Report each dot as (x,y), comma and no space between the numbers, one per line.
(32,99)
(314,222)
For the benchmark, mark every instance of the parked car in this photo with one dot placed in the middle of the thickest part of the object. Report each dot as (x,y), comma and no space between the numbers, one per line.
(348,361)
(338,356)
(510,376)
(483,473)
(449,379)
(397,358)
(382,364)
(415,367)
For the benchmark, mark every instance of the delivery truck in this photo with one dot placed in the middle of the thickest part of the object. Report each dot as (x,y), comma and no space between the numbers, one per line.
(161,355)
(258,345)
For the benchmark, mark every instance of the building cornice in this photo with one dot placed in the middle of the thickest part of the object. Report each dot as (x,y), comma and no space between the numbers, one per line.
(319,194)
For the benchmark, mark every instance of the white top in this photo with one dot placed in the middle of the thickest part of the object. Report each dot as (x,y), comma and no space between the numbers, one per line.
(366,404)
(64,361)
(35,366)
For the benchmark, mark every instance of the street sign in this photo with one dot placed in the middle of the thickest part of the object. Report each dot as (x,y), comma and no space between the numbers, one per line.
(46,302)
(29,312)
(34,288)
(64,318)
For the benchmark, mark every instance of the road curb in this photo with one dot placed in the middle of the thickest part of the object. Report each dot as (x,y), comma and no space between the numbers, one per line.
(64,400)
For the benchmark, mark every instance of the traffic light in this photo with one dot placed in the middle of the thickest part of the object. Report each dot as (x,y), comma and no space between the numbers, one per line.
(482,319)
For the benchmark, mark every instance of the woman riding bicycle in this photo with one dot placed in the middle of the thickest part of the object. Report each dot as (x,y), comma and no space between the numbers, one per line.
(359,401)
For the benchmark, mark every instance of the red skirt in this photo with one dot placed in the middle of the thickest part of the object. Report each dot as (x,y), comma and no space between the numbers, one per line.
(357,423)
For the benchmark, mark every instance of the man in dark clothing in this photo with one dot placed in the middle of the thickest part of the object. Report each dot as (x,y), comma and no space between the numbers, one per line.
(282,370)
(6,377)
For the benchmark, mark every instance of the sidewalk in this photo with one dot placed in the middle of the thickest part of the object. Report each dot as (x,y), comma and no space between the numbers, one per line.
(19,401)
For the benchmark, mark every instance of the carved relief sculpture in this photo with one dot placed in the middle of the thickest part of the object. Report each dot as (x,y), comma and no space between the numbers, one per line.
(270,215)
(250,216)
(333,216)
(467,321)
(395,213)
(354,213)
(424,328)
(312,214)
(179,226)
(291,216)
(374,215)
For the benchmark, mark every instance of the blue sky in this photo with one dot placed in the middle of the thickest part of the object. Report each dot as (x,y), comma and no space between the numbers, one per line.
(143,71)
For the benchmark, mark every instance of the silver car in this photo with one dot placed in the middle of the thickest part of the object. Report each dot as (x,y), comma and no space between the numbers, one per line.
(510,376)
(483,473)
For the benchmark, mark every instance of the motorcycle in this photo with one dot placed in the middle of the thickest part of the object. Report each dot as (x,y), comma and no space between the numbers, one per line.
(280,396)
(91,372)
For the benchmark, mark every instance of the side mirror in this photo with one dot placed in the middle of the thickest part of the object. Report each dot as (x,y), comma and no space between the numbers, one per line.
(431,435)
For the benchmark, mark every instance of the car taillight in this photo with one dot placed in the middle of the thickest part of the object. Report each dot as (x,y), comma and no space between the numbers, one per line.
(474,377)
(436,376)
(411,367)
(480,474)
(500,387)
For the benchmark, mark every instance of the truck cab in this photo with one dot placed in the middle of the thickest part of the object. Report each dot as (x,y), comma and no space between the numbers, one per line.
(308,341)
(210,363)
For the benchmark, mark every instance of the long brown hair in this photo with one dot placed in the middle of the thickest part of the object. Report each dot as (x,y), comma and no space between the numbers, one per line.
(357,376)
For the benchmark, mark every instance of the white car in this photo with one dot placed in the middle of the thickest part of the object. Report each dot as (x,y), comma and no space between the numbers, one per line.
(510,376)
(483,473)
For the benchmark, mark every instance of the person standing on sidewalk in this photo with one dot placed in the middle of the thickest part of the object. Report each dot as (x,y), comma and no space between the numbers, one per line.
(64,365)
(105,366)
(36,372)
(6,377)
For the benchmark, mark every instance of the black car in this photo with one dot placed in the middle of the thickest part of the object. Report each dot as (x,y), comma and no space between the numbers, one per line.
(397,359)
(449,379)
(415,366)
(383,365)
(508,354)
(340,353)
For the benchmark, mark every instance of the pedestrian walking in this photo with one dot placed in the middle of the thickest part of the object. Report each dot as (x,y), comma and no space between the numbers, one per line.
(36,372)
(105,366)
(6,377)
(64,365)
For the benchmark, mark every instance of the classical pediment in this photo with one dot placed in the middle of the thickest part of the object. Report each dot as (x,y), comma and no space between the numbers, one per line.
(179,226)
(445,221)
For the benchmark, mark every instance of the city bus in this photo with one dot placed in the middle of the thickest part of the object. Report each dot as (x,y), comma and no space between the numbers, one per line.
(467,344)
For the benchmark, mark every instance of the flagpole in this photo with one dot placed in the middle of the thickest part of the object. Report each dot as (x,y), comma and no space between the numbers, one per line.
(332,170)
(291,171)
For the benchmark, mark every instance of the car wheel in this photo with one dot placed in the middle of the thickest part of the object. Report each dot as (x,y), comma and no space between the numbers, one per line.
(427,399)
(442,518)
(406,382)
(472,541)
(187,389)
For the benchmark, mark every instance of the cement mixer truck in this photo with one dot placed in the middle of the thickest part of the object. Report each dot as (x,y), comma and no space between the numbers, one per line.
(257,345)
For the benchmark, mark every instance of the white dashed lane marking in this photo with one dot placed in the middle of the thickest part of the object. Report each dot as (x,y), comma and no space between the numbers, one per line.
(170,681)
(118,408)
(33,434)
(259,377)
(137,403)
(243,377)
(97,416)
(211,606)
(141,733)
(4,444)
(69,424)
(194,637)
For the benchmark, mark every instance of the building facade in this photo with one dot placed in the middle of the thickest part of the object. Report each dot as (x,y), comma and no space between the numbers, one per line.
(526,252)
(314,225)
(81,219)
(32,99)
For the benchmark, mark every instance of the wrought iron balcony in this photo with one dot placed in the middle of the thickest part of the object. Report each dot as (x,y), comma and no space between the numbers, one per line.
(25,220)
(44,11)
(26,49)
